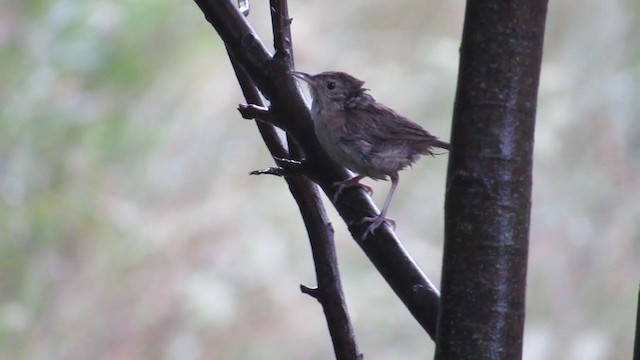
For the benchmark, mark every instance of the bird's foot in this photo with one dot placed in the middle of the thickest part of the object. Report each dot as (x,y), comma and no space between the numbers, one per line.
(376,222)
(355,181)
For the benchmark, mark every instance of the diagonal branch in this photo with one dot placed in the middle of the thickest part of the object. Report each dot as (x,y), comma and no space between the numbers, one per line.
(271,77)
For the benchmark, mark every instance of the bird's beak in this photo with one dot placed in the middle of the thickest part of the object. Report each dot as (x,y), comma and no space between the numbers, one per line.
(302,76)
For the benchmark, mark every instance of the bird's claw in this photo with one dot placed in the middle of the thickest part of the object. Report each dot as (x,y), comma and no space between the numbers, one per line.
(341,185)
(376,222)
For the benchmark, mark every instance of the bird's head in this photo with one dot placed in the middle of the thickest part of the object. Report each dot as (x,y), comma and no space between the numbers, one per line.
(331,89)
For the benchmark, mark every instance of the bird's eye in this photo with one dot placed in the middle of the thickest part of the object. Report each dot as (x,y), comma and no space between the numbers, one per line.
(331,85)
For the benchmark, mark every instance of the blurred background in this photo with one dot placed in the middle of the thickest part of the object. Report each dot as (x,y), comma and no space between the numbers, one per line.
(130,229)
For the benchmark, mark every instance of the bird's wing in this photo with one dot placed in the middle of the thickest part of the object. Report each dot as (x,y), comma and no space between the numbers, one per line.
(385,125)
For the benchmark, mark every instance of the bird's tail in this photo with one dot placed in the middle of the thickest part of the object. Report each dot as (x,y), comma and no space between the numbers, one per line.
(428,146)
(441,144)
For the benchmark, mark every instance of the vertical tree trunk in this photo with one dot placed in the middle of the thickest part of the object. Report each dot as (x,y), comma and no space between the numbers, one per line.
(488,195)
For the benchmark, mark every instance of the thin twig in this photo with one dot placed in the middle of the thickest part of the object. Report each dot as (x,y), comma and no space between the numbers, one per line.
(329,291)
(281,23)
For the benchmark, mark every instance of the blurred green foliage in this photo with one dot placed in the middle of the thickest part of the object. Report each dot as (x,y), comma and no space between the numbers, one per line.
(129,228)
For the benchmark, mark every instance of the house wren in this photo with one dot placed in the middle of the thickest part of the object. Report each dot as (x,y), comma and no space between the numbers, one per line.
(363,135)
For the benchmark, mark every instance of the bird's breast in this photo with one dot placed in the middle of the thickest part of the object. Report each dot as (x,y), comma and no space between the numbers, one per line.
(327,135)
(345,148)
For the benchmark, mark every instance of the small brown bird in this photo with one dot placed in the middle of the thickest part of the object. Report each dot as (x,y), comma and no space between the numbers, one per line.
(363,135)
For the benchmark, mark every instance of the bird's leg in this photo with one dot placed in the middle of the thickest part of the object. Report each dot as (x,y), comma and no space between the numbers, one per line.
(376,221)
(354,181)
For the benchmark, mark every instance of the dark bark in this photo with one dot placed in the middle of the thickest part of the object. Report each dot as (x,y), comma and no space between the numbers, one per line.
(488,196)
(271,77)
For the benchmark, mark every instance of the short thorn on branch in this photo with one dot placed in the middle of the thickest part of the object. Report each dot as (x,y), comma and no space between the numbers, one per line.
(259,113)
(251,111)
(285,167)
(313,292)
(273,170)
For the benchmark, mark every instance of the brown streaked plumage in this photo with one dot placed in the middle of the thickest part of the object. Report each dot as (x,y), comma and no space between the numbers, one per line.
(363,135)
